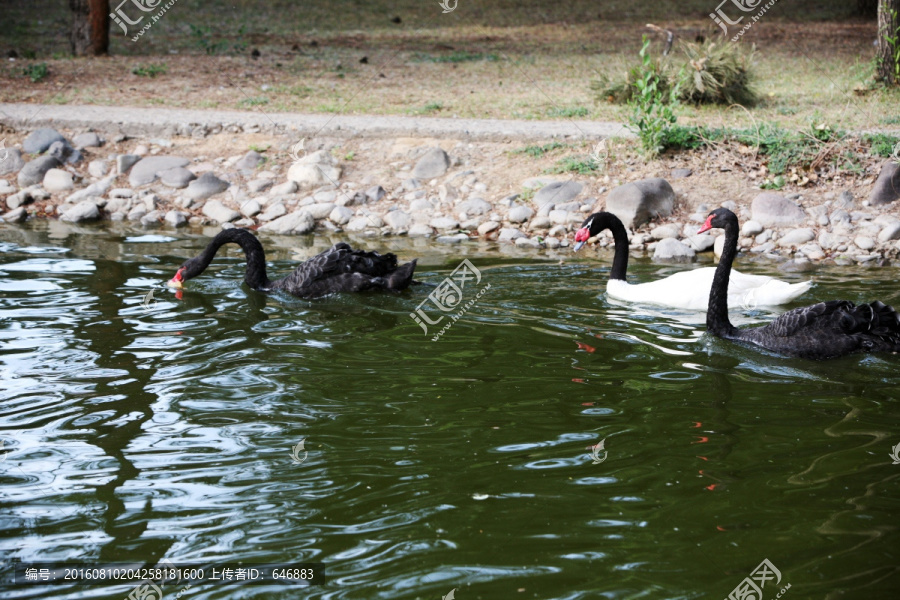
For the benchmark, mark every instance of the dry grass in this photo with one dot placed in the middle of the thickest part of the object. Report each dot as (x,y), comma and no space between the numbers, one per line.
(501,60)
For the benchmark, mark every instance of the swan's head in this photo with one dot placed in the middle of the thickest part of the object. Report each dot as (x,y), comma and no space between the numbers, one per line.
(188,270)
(593,225)
(717,218)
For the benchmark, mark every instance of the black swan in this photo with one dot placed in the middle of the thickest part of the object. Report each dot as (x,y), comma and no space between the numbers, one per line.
(338,269)
(687,289)
(824,330)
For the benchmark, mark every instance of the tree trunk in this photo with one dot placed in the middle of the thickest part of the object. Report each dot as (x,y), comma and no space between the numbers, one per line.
(90,27)
(888,58)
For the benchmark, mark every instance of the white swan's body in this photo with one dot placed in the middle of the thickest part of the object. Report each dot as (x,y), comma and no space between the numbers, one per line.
(689,290)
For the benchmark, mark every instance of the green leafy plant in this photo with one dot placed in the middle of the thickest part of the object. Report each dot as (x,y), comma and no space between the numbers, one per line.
(568,113)
(36,72)
(583,165)
(457,56)
(717,73)
(149,70)
(652,108)
(254,101)
(776,183)
(882,144)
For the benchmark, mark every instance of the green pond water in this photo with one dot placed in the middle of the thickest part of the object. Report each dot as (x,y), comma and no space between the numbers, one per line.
(138,429)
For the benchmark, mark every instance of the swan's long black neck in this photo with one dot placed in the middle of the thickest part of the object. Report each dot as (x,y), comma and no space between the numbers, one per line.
(620,237)
(255,275)
(717,313)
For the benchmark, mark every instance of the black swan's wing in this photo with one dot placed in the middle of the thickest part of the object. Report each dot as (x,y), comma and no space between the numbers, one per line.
(829,329)
(343,269)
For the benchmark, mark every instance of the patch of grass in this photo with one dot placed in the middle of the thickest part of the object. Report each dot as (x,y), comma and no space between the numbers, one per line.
(434,107)
(257,101)
(568,113)
(583,165)
(776,183)
(203,38)
(891,120)
(527,194)
(258,148)
(149,70)
(881,144)
(457,56)
(36,72)
(538,151)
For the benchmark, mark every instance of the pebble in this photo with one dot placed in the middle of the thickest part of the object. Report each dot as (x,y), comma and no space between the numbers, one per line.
(57,180)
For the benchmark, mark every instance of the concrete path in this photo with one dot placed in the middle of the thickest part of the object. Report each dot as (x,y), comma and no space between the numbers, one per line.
(166,121)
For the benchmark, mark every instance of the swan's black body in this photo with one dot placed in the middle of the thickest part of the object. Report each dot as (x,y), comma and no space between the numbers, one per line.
(338,269)
(824,330)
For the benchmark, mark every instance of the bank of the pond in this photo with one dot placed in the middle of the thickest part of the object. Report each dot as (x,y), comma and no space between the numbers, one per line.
(453,188)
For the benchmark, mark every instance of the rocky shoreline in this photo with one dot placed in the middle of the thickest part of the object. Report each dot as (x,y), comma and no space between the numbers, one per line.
(448,190)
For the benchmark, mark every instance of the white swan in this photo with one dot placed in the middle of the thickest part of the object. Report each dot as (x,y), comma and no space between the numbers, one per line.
(687,289)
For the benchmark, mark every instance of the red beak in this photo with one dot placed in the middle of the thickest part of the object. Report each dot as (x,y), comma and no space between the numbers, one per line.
(175,282)
(707,225)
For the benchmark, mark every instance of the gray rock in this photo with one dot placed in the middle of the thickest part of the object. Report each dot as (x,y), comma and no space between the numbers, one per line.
(321,210)
(151,218)
(397,220)
(12,163)
(526,242)
(364,222)
(420,230)
(250,208)
(249,161)
(34,170)
(340,215)
(845,201)
(701,243)
(540,223)
(137,213)
(864,242)
(39,141)
(751,228)
(375,193)
(220,213)
(663,232)
(296,223)
(509,234)
(125,161)
(638,202)
(6,187)
(420,205)
(98,188)
(410,185)
(288,187)
(672,249)
(444,223)
(831,241)
(558,231)
(325,197)
(773,210)
(890,232)
(796,237)
(258,185)
(57,180)
(64,153)
(204,186)
(487,227)
(447,193)
(451,239)
(87,140)
(21,198)
(86,210)
(174,218)
(557,192)
(177,178)
(519,214)
(314,170)
(273,212)
(559,217)
(887,186)
(345,199)
(433,163)
(475,206)
(16,215)
(812,251)
(681,173)
(98,168)
(552,243)
(146,170)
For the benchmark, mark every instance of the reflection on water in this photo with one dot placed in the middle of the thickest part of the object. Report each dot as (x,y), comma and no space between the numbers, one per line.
(137,431)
